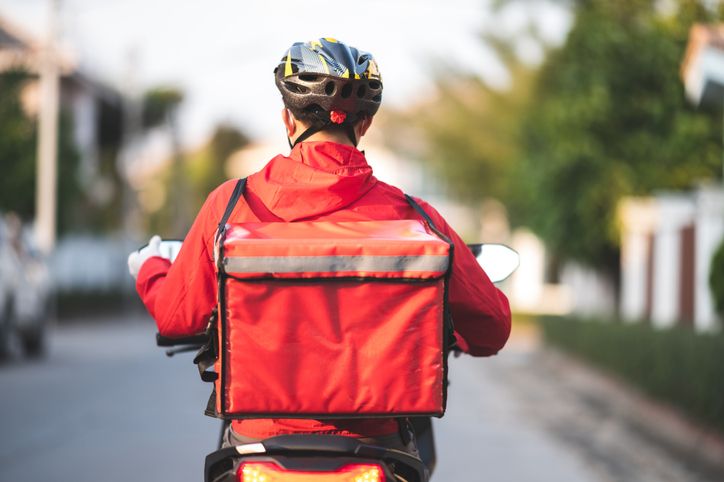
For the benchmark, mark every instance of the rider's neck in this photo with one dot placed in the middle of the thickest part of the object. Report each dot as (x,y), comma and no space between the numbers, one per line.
(335,136)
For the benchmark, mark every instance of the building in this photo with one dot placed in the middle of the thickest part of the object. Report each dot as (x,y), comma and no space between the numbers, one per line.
(703,67)
(667,245)
(95,110)
(95,113)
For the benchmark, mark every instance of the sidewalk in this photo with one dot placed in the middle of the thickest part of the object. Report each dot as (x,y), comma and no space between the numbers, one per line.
(622,433)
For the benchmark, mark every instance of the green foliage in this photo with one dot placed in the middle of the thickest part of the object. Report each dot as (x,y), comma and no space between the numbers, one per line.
(716,280)
(676,365)
(610,119)
(105,213)
(160,107)
(17,148)
(202,171)
(206,167)
(469,134)
(159,103)
(18,134)
(604,117)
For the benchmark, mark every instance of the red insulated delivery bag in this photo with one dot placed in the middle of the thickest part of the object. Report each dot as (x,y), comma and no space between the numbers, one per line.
(331,319)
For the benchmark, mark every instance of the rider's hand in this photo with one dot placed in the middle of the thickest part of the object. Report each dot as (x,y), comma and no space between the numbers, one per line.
(137,258)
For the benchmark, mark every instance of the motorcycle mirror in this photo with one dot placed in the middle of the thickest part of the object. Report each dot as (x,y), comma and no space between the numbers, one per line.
(497,260)
(169,248)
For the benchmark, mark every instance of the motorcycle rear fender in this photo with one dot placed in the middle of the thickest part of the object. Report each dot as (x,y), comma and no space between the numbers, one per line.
(312,452)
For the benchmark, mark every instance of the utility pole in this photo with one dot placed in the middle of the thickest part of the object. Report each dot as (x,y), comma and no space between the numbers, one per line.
(132,126)
(46,185)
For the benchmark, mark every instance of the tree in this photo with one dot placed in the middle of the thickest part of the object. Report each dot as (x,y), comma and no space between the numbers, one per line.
(610,119)
(202,170)
(160,107)
(160,104)
(18,134)
(716,280)
(206,168)
(17,148)
(604,117)
(469,133)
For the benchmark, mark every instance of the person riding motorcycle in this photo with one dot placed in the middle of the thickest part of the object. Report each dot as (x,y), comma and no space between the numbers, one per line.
(331,92)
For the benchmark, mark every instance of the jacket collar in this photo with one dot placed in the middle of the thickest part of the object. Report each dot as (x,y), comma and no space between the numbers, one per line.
(316,178)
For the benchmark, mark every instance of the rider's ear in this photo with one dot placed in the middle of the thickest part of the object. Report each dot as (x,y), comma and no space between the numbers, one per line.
(289,122)
(363,125)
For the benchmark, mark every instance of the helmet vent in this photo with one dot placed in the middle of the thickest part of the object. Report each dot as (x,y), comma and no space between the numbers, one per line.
(307,77)
(346,91)
(329,88)
(361,91)
(374,84)
(296,88)
(377,98)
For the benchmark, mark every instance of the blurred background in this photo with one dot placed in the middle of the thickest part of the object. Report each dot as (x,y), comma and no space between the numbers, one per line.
(586,134)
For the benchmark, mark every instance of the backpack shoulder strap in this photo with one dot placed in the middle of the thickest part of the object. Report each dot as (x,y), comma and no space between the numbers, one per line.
(449,331)
(420,211)
(428,219)
(235,195)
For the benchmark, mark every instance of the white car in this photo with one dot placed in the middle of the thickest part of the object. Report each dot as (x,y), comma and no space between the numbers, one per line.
(25,295)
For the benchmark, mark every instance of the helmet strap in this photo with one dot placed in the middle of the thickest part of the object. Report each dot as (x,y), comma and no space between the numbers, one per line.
(306,135)
(348,129)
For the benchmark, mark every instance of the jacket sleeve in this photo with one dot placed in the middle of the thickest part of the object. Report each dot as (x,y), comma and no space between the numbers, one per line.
(480,311)
(181,296)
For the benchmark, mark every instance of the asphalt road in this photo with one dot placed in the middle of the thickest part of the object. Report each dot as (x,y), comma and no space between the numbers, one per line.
(107,405)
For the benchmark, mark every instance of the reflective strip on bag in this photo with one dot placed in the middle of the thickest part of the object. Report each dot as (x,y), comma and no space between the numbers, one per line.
(336,264)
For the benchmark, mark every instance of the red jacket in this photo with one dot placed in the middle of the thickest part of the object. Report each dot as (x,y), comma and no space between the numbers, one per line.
(318,181)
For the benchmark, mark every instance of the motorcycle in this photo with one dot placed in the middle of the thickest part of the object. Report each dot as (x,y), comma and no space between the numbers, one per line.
(328,458)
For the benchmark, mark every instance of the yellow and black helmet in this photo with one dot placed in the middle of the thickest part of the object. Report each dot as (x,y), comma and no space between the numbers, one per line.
(327,82)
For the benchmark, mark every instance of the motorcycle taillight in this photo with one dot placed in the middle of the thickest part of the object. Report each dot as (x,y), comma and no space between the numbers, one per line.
(270,472)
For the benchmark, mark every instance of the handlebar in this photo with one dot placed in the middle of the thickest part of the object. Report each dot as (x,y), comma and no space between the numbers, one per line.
(199,339)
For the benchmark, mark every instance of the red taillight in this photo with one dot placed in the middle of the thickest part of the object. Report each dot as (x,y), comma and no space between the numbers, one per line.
(269,472)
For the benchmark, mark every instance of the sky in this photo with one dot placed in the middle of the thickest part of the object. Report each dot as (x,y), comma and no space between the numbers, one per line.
(222,53)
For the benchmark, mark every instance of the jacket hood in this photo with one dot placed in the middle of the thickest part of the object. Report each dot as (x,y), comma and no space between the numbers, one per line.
(316,178)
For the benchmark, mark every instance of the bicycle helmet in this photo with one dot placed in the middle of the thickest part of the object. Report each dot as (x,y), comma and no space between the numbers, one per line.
(328,83)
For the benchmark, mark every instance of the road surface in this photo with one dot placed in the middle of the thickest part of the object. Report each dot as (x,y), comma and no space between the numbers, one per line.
(106,405)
